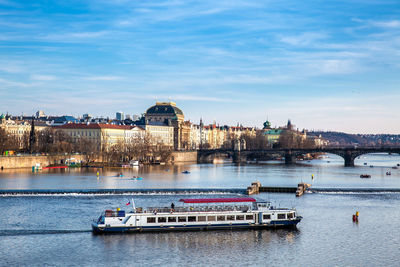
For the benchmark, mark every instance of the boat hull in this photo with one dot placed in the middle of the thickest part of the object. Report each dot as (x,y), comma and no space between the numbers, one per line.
(132,229)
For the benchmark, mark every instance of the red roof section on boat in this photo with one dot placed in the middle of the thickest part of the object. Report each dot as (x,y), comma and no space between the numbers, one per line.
(217,200)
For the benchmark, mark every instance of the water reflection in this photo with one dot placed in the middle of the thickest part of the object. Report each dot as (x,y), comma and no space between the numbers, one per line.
(226,240)
(229,175)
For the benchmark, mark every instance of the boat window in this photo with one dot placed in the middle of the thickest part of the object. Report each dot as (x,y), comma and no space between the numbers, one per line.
(191,218)
(201,218)
(151,219)
(221,218)
(249,217)
(240,217)
(230,217)
(171,219)
(162,219)
(290,215)
(281,216)
(266,216)
(211,218)
(181,219)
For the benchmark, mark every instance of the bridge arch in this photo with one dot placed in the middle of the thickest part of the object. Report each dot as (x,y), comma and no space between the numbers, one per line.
(349,154)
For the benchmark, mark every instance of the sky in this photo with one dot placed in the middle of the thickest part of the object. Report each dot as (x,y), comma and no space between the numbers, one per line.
(325,65)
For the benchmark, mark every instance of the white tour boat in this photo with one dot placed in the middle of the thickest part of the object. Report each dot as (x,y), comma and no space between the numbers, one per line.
(200,214)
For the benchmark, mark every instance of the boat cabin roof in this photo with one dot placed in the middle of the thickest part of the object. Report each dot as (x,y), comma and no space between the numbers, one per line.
(217,200)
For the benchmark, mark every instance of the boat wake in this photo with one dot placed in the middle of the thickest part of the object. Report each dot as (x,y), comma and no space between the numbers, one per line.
(107,192)
(39,232)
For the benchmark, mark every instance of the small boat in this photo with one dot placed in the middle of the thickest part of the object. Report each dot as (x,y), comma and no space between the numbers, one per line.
(197,214)
(136,178)
(371,166)
(365,176)
(120,175)
(365,163)
(395,167)
(186,172)
(134,163)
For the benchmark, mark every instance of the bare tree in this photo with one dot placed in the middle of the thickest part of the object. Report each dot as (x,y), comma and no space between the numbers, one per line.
(293,139)
(255,142)
(3,141)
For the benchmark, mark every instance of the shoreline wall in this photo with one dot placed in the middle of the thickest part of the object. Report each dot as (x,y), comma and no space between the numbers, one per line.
(186,156)
(27,161)
(14,162)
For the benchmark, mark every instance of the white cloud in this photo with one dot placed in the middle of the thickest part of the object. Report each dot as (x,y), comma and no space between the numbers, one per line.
(303,39)
(386,24)
(103,78)
(186,97)
(73,36)
(40,77)
(14,84)
(337,66)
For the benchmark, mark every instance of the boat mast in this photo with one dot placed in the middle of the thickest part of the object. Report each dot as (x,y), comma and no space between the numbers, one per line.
(133,205)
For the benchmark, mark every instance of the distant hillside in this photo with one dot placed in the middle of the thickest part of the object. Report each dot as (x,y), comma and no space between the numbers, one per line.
(338,138)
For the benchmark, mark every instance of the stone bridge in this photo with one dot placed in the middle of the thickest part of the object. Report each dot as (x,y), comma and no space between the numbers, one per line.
(347,153)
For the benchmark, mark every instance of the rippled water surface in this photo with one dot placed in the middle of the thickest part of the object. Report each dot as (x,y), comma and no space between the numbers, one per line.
(52,230)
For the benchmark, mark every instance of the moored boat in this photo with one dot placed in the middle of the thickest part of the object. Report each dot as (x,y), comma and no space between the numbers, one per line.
(198,214)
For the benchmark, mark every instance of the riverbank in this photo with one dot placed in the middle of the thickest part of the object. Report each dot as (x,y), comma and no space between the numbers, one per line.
(27,161)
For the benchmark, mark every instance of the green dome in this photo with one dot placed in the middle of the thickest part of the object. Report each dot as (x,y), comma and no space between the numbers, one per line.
(162,109)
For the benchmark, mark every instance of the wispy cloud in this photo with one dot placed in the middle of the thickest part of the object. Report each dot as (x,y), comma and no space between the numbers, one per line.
(386,24)
(103,78)
(41,77)
(205,53)
(14,84)
(73,36)
(184,97)
(303,39)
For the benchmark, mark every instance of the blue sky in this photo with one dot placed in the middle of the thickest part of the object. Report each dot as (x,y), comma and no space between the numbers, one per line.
(329,65)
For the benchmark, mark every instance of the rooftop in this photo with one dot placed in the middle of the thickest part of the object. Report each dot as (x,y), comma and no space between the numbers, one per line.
(164,108)
(93,126)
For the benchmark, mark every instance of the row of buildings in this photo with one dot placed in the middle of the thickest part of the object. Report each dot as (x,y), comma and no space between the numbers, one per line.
(163,124)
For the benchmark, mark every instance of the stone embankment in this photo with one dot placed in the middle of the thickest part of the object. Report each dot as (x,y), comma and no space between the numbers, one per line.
(27,161)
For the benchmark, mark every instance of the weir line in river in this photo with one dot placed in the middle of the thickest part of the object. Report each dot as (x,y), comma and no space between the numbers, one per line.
(179,191)
(85,192)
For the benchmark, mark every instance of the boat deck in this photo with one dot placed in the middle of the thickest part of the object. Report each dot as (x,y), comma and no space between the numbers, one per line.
(242,208)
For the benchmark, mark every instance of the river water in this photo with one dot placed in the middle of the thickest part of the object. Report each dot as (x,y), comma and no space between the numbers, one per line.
(54,229)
